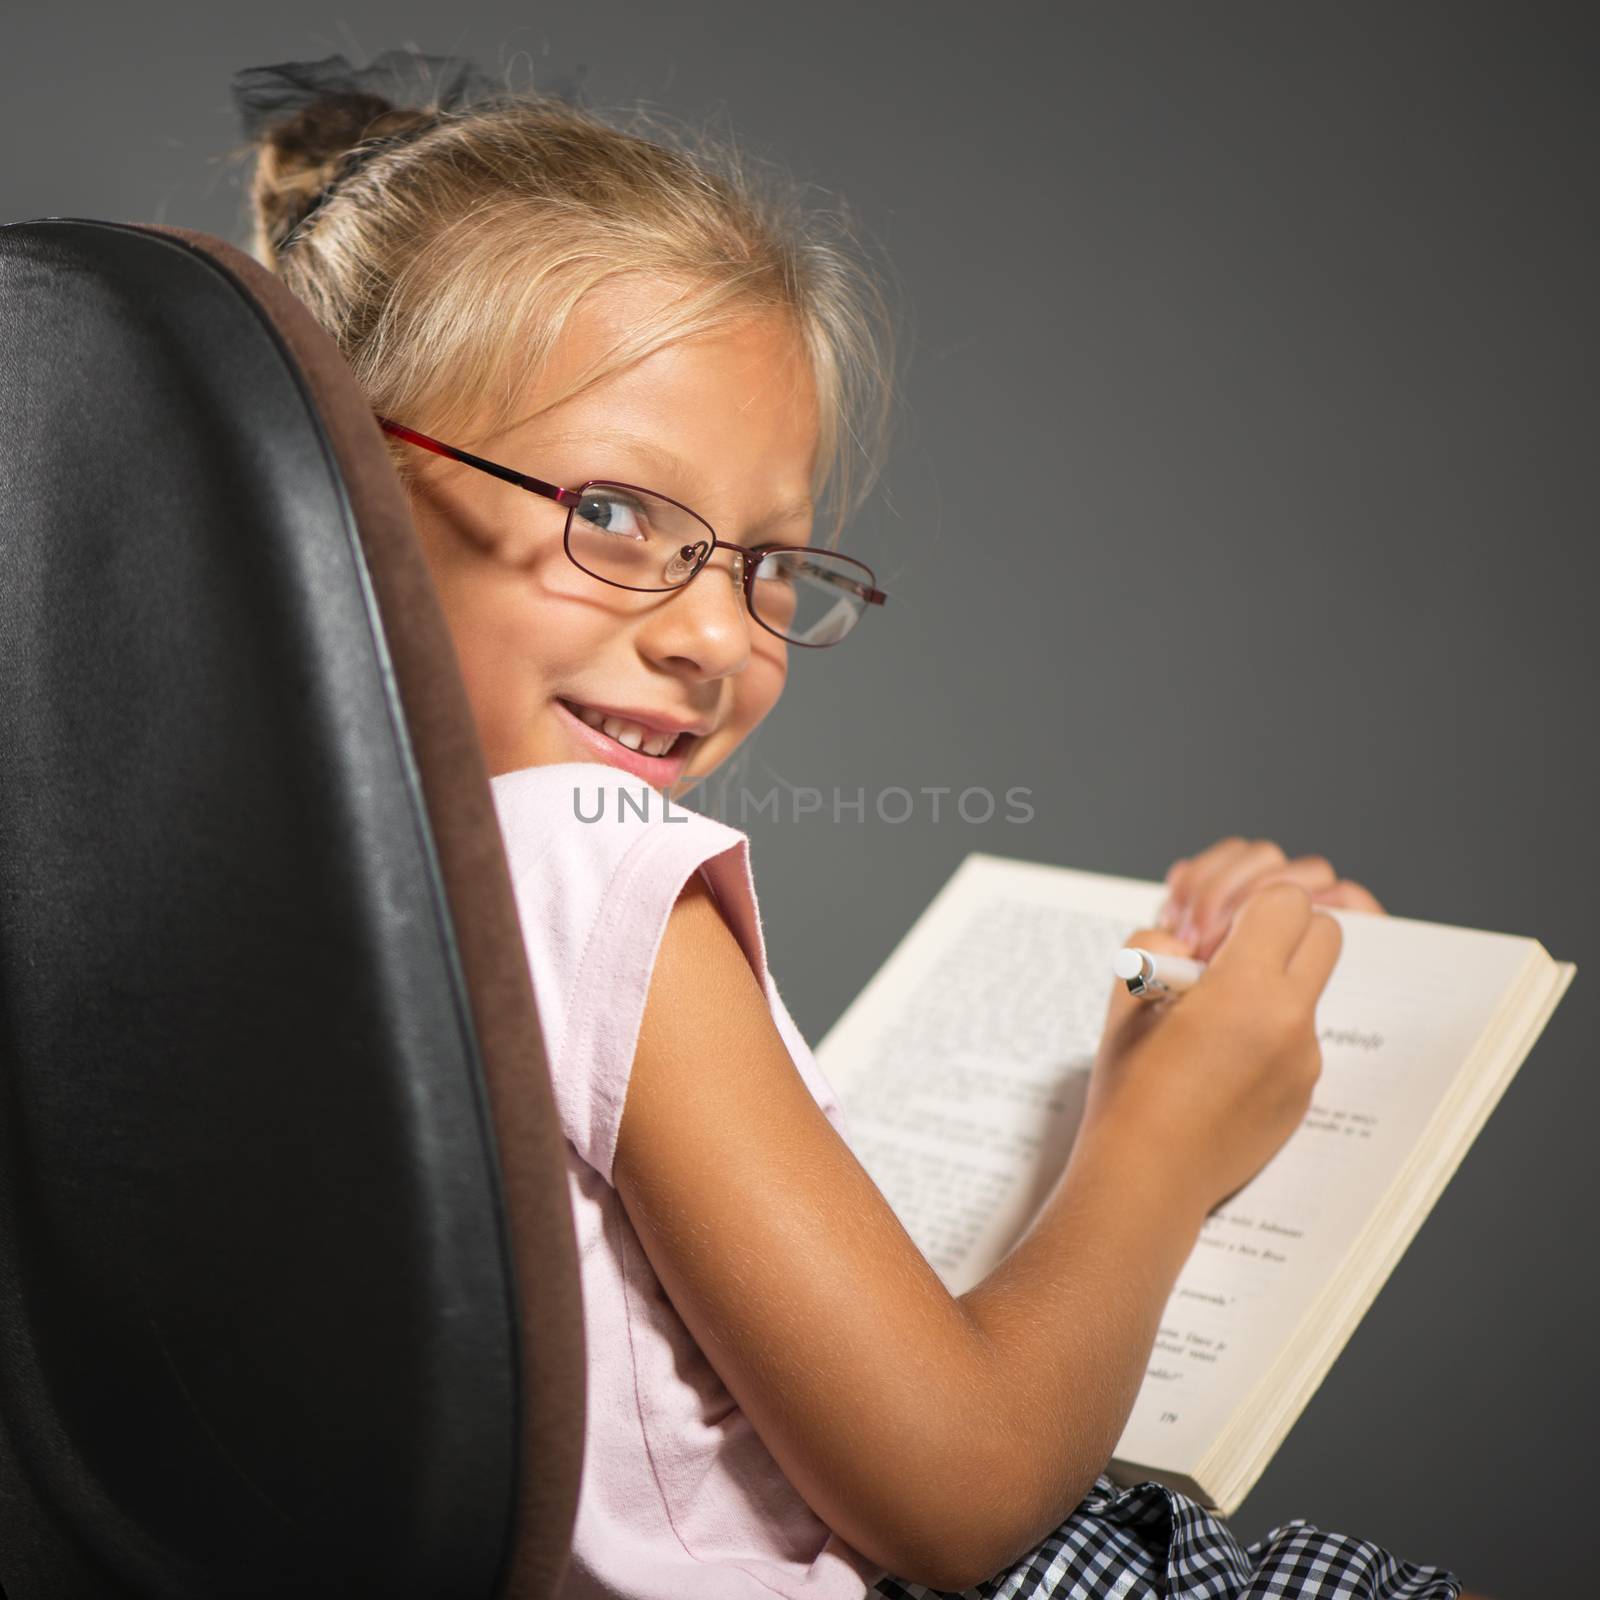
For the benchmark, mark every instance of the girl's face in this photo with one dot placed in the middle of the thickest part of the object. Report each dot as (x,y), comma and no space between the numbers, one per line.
(726,423)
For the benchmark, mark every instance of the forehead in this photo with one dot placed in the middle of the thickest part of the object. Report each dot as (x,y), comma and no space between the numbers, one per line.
(749,382)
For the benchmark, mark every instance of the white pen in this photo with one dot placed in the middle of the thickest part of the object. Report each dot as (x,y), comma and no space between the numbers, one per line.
(1150,975)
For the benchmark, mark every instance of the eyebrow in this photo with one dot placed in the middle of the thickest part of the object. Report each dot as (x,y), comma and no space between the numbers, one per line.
(672,461)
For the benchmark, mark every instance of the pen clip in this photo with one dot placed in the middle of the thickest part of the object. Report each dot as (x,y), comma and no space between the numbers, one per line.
(1141,986)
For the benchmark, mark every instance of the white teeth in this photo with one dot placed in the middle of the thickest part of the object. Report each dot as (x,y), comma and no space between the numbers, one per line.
(630,734)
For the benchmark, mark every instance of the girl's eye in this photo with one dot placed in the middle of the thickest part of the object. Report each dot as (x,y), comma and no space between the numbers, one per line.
(614,514)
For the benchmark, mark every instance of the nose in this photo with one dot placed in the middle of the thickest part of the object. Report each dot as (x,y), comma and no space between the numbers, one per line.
(706,622)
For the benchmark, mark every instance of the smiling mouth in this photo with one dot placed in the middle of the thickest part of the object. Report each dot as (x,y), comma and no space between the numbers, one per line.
(630,735)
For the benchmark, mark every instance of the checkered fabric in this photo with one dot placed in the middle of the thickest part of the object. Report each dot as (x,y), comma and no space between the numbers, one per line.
(1152,1543)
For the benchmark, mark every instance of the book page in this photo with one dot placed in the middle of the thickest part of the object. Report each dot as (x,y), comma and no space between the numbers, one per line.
(963,1066)
(966,1097)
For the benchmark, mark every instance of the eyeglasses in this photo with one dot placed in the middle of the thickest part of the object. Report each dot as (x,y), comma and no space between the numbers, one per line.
(634,538)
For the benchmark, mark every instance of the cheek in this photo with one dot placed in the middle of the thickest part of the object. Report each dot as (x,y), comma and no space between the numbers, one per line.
(515,632)
(760,686)
(527,612)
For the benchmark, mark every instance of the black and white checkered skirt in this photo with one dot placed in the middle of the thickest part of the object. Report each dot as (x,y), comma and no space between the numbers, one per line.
(1148,1541)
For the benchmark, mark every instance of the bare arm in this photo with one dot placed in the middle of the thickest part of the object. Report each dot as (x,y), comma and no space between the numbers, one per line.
(941,1437)
(1070,1316)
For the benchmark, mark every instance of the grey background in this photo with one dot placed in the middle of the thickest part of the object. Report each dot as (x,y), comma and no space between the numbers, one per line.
(1249,383)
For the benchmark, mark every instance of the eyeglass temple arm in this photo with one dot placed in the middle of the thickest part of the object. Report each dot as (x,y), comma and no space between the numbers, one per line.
(864,591)
(450,452)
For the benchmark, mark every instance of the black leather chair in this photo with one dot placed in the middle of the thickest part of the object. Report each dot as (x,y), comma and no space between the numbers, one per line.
(288,1289)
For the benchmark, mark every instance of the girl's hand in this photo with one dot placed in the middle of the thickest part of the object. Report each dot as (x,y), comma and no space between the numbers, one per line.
(1204,891)
(1209,1083)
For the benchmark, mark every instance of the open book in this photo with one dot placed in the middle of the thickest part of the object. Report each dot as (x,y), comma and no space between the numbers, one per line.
(962,1068)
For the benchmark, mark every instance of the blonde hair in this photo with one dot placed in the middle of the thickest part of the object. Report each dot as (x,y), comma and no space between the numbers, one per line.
(445,251)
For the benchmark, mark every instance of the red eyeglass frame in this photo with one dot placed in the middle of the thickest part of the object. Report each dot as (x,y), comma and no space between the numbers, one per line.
(570,498)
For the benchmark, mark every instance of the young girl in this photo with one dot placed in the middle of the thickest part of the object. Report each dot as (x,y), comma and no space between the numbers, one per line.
(617,376)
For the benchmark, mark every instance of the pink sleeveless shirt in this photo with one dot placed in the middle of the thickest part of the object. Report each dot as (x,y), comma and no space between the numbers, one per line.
(679,1499)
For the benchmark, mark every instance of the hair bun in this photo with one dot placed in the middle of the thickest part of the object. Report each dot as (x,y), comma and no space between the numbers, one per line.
(322,134)
(314,120)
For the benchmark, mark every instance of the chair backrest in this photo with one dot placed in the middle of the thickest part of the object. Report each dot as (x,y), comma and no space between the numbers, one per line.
(288,1284)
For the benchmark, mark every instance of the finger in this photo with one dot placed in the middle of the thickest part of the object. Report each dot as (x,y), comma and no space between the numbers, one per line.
(1231,881)
(1312,873)
(1167,916)
(1186,878)
(1314,958)
(1349,896)
(1266,929)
